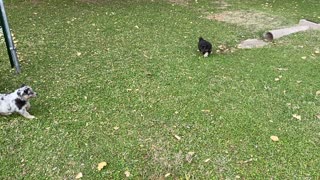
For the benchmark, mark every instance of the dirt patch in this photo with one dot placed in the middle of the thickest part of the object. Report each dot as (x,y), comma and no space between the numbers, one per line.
(253,20)
(180,2)
(166,160)
(221,4)
(91,1)
(252,43)
(35,1)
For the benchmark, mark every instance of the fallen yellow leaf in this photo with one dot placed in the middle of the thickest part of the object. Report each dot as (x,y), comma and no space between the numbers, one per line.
(318,116)
(304,57)
(205,110)
(167,175)
(318,93)
(127,173)
(177,137)
(79,175)
(296,116)
(274,138)
(282,69)
(101,165)
(207,160)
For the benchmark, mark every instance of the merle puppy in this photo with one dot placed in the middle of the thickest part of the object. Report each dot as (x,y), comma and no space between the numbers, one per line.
(17,102)
(204,47)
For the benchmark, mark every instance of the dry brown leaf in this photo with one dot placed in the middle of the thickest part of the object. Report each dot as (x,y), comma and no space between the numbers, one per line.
(177,137)
(101,165)
(318,116)
(79,175)
(296,116)
(274,138)
(127,173)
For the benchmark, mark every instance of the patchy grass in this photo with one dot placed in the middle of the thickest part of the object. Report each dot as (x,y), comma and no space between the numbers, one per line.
(119,81)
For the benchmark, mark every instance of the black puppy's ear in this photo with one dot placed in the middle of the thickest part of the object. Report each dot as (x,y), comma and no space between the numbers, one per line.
(22,85)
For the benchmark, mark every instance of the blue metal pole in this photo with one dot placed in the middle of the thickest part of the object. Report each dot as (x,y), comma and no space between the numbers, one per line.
(8,38)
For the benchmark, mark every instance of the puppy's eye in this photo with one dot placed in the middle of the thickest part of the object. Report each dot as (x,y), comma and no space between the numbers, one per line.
(26,91)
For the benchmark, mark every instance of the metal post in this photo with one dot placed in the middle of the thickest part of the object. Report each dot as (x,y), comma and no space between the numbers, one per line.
(8,38)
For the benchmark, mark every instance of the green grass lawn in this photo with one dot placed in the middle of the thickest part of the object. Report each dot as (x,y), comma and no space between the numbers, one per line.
(122,82)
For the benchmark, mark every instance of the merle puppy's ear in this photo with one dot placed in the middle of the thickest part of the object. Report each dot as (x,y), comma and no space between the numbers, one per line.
(22,85)
(19,93)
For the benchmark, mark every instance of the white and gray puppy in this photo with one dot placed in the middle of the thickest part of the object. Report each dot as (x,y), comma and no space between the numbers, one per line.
(17,102)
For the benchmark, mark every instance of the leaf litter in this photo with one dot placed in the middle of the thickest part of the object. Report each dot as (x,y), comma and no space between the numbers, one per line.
(274,138)
(127,173)
(101,165)
(79,175)
(296,116)
(177,137)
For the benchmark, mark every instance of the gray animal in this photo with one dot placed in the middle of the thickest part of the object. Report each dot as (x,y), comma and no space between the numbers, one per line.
(17,102)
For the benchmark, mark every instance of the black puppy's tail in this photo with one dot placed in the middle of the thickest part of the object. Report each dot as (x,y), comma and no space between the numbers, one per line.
(201,39)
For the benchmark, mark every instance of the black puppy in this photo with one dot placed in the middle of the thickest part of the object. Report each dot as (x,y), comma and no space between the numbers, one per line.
(204,47)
